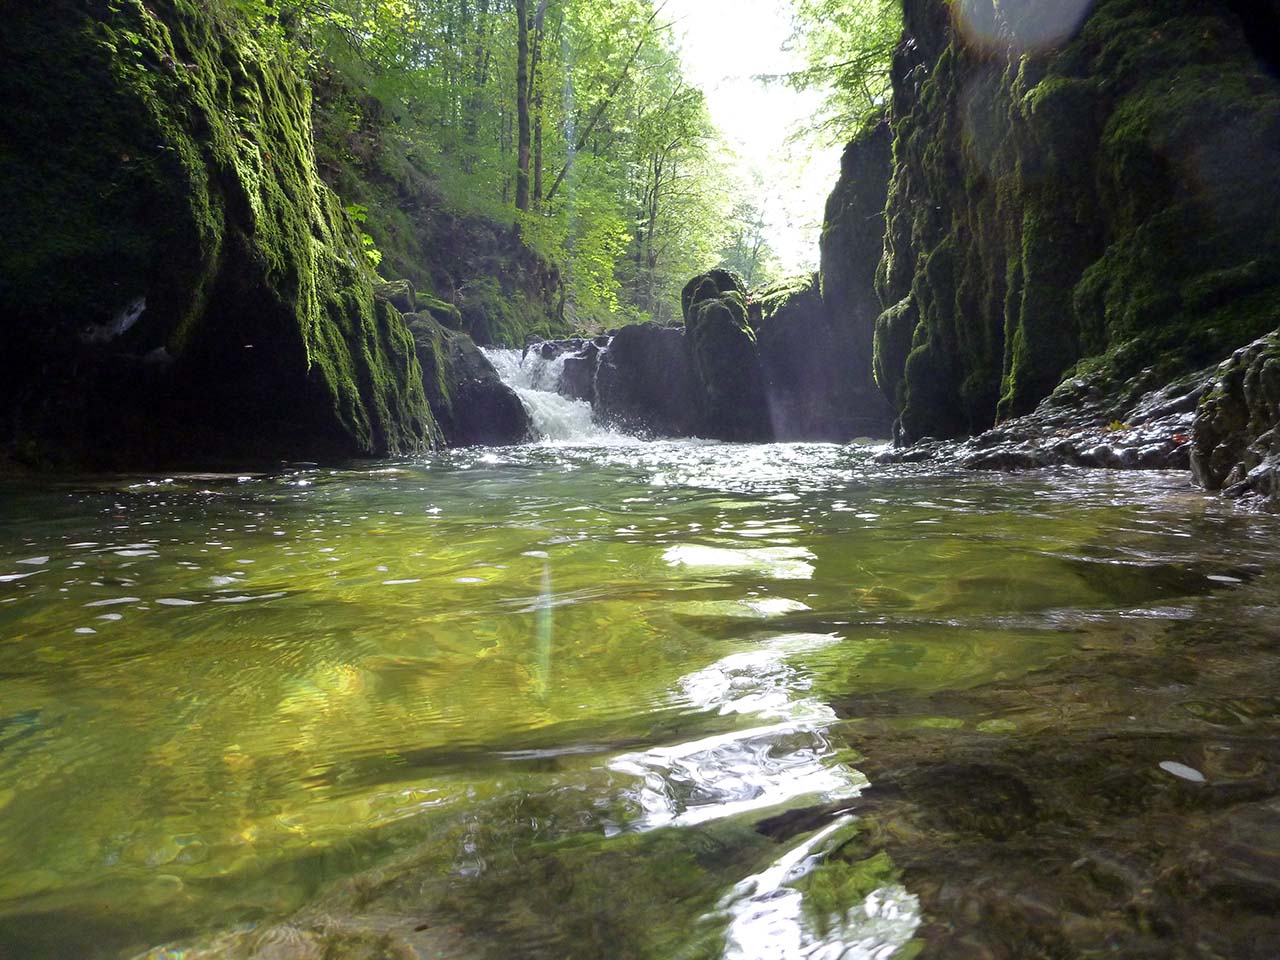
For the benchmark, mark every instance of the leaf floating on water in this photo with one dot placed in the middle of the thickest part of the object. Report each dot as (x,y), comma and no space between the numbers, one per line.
(1183,771)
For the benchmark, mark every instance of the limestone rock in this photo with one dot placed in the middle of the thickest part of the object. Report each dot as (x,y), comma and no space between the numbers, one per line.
(1055,201)
(193,192)
(472,404)
(1236,438)
(726,359)
(398,293)
(646,384)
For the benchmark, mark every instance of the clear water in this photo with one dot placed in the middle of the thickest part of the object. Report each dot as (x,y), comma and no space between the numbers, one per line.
(557,701)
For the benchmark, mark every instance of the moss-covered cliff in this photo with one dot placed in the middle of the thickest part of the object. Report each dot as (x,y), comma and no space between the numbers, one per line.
(178,285)
(477,273)
(1067,197)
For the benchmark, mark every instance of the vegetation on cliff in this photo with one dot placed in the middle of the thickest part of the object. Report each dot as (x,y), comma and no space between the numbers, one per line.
(450,122)
(1106,203)
(174,269)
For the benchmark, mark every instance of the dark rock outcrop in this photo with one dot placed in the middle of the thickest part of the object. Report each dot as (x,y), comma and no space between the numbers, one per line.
(726,359)
(469,400)
(178,285)
(816,366)
(1103,196)
(1086,423)
(578,376)
(1236,443)
(851,246)
(398,293)
(645,383)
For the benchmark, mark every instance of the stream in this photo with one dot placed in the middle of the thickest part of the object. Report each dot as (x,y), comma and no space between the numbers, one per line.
(596,697)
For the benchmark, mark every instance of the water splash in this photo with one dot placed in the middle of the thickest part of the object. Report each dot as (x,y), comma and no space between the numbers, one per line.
(535,380)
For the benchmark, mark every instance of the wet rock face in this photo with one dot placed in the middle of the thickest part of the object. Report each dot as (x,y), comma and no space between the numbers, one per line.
(851,246)
(726,358)
(1236,445)
(645,383)
(816,366)
(1064,189)
(578,376)
(239,324)
(398,293)
(1088,422)
(468,398)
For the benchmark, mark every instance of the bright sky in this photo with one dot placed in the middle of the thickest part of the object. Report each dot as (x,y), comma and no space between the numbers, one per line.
(725,44)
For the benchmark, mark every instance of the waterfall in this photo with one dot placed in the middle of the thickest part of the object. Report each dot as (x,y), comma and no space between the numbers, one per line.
(535,379)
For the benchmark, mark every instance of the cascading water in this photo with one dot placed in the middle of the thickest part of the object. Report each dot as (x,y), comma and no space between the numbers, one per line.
(535,379)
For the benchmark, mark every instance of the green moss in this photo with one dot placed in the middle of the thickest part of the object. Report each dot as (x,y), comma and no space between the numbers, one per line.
(725,357)
(445,314)
(777,296)
(1121,188)
(504,291)
(257,292)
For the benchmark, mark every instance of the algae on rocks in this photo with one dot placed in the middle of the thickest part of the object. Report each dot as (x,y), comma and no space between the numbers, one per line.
(1055,204)
(1236,437)
(178,284)
(725,357)
(471,403)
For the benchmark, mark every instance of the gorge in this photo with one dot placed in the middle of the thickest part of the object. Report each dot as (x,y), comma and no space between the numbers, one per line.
(421,541)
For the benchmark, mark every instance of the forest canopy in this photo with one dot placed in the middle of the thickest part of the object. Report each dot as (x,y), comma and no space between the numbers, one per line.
(572,118)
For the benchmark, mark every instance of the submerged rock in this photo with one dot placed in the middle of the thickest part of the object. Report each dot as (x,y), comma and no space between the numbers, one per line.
(163,196)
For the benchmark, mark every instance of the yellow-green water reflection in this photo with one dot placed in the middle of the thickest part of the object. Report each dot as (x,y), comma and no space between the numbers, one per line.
(221,696)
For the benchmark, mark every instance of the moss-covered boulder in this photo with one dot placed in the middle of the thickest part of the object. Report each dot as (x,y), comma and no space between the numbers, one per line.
(177,283)
(1235,442)
(726,360)
(398,293)
(468,398)
(1056,198)
(443,313)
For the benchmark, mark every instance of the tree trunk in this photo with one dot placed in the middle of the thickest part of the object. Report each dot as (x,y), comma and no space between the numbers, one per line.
(598,112)
(522,105)
(535,82)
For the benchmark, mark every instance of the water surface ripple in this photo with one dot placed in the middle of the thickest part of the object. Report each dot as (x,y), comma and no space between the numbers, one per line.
(591,699)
